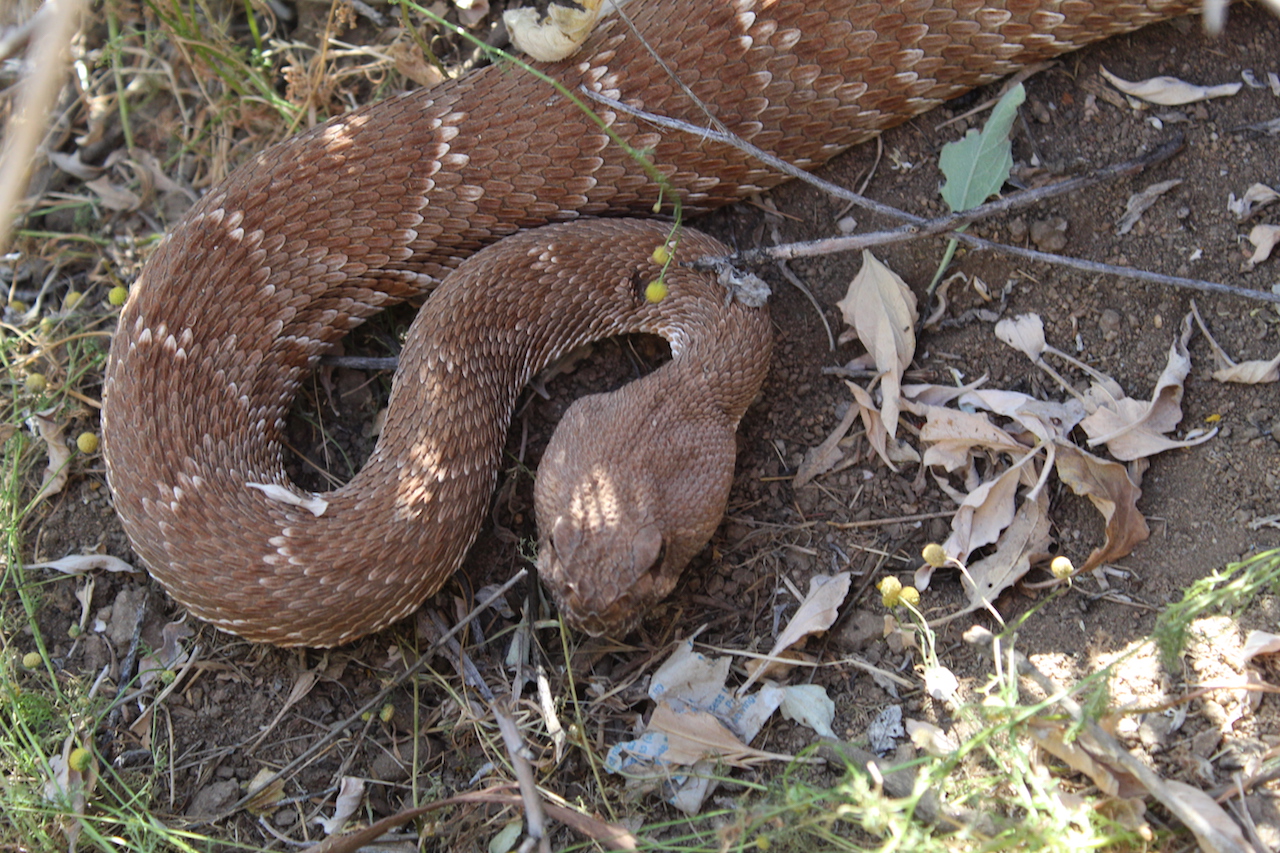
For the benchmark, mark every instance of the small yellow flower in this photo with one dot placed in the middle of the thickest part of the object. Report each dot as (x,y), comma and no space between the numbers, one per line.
(910,595)
(87,442)
(79,759)
(31,660)
(118,295)
(387,712)
(655,291)
(662,254)
(36,382)
(1062,567)
(890,591)
(934,555)
(72,299)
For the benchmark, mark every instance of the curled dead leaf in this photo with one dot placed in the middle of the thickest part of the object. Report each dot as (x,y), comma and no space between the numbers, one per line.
(1169,91)
(1026,537)
(1107,485)
(1133,429)
(881,309)
(1254,199)
(1024,333)
(554,34)
(1140,202)
(1264,239)
(694,735)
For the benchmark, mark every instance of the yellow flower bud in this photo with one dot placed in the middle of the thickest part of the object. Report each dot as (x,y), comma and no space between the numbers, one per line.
(31,660)
(662,254)
(36,382)
(910,595)
(80,759)
(118,295)
(890,590)
(655,291)
(1062,567)
(934,555)
(87,442)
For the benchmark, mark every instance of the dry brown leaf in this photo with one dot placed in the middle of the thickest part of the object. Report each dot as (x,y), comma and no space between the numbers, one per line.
(1139,203)
(930,738)
(1111,780)
(952,435)
(55,473)
(1169,91)
(881,309)
(1133,429)
(817,612)
(1260,643)
(695,735)
(264,795)
(821,459)
(1255,198)
(1246,372)
(1025,538)
(1044,419)
(1024,333)
(781,664)
(78,564)
(986,511)
(555,33)
(877,435)
(1250,372)
(1264,239)
(114,196)
(1108,487)
(1191,800)
(938,395)
(350,793)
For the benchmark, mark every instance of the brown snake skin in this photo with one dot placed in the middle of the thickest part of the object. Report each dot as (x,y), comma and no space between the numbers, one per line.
(315,235)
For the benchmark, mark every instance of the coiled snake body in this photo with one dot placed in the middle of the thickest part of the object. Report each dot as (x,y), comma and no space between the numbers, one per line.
(311,237)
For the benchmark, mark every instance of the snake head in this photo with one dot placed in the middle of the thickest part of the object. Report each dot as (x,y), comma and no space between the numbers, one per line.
(605,602)
(630,488)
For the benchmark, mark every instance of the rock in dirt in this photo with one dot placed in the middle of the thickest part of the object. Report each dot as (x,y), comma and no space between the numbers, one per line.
(214,798)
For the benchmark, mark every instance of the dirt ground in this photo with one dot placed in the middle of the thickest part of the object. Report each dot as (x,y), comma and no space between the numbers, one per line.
(1206,506)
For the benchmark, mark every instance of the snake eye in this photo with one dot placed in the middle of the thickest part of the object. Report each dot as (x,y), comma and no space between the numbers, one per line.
(648,550)
(656,566)
(565,538)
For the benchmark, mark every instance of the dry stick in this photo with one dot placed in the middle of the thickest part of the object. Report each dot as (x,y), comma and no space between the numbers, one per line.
(375,702)
(49,52)
(535,815)
(941,226)
(1209,836)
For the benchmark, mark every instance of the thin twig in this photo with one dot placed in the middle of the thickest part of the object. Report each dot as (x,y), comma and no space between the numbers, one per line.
(944,225)
(49,57)
(760,154)
(374,702)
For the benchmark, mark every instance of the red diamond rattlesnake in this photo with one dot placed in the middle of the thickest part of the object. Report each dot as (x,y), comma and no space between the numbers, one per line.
(313,236)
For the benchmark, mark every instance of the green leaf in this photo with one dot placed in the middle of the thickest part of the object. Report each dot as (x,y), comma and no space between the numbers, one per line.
(978,165)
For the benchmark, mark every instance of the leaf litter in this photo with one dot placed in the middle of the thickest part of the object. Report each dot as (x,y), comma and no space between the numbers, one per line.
(994,451)
(698,721)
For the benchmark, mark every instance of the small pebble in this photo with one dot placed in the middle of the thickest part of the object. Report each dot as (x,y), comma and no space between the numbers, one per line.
(1049,235)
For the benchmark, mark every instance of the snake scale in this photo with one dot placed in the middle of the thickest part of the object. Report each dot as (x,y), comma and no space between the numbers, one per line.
(310,238)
